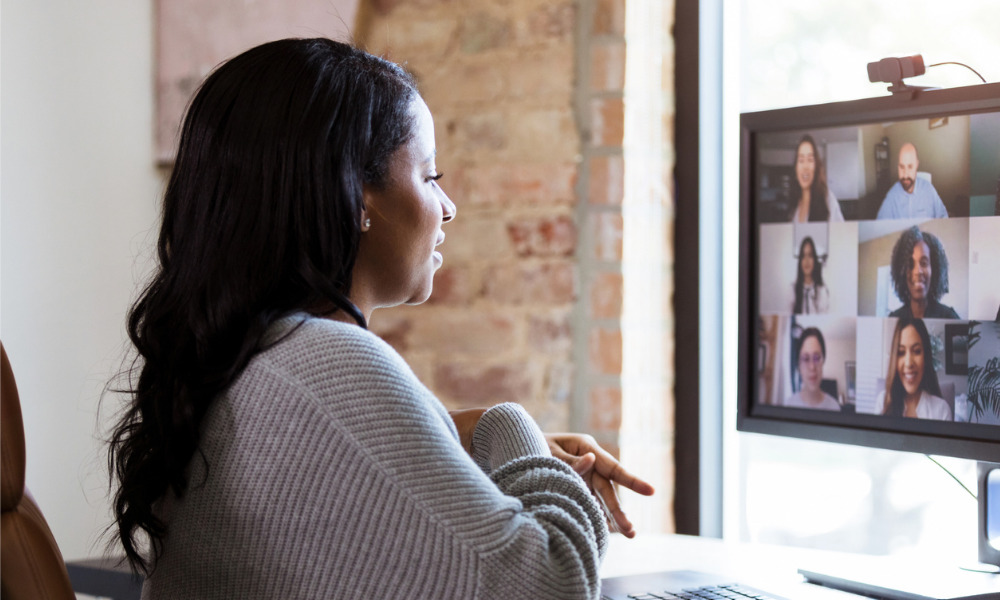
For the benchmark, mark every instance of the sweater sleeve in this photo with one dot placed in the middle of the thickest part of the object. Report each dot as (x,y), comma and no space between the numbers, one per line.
(344,477)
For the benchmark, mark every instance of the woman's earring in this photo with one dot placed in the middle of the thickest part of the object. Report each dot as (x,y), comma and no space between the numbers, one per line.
(366,225)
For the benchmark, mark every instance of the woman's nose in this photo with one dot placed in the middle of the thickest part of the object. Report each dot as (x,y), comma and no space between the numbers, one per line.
(449,209)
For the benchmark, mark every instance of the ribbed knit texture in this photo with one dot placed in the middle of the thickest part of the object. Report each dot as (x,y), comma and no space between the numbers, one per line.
(332,472)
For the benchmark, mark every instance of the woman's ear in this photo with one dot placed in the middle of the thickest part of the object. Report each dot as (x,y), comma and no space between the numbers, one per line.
(366,222)
(366,202)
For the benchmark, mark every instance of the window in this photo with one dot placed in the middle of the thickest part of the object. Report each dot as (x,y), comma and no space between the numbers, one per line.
(816,494)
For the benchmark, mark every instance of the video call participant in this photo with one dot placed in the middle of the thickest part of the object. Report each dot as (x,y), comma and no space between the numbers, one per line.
(911,196)
(911,385)
(810,295)
(920,276)
(274,447)
(812,355)
(814,199)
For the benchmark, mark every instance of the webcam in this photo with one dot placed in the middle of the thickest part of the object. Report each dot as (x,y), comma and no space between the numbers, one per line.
(894,70)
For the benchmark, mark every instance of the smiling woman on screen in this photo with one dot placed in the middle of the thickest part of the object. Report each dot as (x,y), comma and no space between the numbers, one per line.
(814,200)
(920,276)
(911,384)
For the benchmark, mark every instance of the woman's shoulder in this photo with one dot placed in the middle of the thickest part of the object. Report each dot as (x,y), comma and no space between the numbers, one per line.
(323,336)
(936,310)
(833,205)
(879,406)
(311,347)
(935,407)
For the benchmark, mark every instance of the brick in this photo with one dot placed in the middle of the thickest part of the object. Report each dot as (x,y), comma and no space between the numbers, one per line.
(548,236)
(476,237)
(547,284)
(547,72)
(552,20)
(406,37)
(607,180)
(607,66)
(469,134)
(606,294)
(393,328)
(607,122)
(512,184)
(609,18)
(550,407)
(482,31)
(483,385)
(605,410)
(606,350)
(559,388)
(608,234)
(544,134)
(455,286)
(550,335)
(466,334)
(471,80)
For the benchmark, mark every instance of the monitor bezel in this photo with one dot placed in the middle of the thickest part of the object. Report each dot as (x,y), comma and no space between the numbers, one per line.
(925,104)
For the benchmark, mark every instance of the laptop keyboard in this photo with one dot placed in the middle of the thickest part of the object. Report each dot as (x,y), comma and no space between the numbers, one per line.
(711,592)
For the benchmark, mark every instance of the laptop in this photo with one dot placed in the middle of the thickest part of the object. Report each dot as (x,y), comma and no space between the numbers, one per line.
(679,585)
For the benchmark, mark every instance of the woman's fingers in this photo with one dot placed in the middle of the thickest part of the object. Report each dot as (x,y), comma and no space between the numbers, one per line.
(581,464)
(605,492)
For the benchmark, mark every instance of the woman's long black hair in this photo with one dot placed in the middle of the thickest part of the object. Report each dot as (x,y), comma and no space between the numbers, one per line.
(895,393)
(261,218)
(818,210)
(800,277)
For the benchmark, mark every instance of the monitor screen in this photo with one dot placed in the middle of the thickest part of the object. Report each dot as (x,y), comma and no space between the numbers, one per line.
(870,272)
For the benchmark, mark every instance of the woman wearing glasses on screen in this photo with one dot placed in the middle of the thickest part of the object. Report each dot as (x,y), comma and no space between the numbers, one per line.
(814,199)
(812,355)
(920,276)
(911,385)
(811,296)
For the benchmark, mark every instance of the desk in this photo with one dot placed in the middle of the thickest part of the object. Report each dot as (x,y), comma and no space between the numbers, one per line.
(773,569)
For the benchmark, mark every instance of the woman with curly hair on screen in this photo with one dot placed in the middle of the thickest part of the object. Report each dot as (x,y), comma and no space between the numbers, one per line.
(920,276)
(911,384)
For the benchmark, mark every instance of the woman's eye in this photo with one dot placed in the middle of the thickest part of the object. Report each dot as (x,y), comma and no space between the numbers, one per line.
(435,177)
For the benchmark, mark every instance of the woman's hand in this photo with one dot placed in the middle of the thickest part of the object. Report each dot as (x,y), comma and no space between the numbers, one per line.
(601,471)
(466,421)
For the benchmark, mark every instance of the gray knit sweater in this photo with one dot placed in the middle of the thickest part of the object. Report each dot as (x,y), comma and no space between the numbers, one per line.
(330,472)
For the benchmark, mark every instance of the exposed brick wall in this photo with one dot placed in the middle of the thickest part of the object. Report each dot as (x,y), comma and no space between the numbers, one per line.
(499,79)
(528,98)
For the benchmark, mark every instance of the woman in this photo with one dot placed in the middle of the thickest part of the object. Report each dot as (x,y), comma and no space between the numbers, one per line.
(920,276)
(911,385)
(811,352)
(814,199)
(811,296)
(273,447)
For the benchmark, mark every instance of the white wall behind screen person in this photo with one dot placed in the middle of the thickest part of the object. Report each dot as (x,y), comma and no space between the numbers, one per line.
(984,264)
(775,278)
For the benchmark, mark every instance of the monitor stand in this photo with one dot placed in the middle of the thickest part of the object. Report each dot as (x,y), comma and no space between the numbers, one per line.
(895,579)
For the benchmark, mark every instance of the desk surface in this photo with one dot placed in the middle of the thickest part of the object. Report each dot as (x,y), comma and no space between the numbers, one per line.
(773,569)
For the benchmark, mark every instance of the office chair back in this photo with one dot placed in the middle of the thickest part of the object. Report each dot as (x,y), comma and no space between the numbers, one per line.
(31,565)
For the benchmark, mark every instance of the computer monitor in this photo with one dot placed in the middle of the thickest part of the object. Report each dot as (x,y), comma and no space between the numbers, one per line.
(869,291)
(833,291)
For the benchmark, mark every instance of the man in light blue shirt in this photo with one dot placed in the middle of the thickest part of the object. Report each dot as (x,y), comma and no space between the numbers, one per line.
(910,196)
